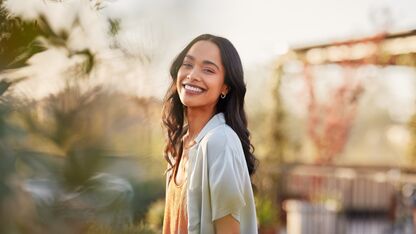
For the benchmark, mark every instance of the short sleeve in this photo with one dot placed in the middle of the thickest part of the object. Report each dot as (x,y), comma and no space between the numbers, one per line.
(226,181)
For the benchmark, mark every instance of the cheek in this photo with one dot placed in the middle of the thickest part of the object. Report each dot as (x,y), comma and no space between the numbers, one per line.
(217,84)
(179,81)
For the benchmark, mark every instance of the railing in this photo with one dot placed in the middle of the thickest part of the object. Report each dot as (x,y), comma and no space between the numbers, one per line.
(348,200)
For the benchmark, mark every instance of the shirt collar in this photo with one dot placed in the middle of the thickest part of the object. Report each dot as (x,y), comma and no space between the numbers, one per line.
(215,121)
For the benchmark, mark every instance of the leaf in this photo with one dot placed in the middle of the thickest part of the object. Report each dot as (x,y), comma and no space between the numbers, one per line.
(25,53)
(4,85)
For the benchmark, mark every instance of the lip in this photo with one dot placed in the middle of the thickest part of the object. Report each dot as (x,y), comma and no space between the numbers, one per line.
(192,92)
(192,85)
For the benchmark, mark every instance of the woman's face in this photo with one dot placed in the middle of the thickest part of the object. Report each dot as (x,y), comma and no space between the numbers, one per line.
(200,80)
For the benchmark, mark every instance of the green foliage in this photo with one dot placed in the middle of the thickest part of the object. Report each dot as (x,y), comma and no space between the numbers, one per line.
(79,160)
(20,40)
(145,194)
(16,40)
(114,26)
(75,132)
(154,216)
(412,128)
(7,157)
(141,228)
(267,213)
(16,209)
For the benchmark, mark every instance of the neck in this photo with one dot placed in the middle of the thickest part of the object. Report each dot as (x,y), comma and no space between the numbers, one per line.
(197,119)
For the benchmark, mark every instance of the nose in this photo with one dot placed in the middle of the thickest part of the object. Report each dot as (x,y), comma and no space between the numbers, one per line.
(193,75)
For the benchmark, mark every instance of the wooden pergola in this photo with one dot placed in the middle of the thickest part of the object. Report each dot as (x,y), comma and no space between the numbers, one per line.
(382,49)
(324,177)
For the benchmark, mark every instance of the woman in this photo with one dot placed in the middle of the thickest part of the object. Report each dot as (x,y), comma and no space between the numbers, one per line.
(208,145)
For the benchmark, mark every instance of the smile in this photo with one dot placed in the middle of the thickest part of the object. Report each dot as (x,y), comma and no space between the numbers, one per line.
(193,89)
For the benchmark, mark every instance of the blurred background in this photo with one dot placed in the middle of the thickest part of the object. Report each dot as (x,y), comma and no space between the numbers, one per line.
(331,104)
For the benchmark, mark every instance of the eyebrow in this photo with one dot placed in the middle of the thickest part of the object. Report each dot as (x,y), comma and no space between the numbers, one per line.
(204,62)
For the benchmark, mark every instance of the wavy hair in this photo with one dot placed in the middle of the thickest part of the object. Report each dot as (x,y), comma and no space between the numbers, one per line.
(173,114)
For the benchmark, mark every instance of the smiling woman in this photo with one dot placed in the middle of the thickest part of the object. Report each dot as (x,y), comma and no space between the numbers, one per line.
(208,149)
(200,79)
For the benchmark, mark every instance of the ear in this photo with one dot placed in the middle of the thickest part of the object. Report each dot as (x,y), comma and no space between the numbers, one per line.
(224,89)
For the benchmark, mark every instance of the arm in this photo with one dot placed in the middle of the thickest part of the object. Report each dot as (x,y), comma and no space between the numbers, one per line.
(226,170)
(227,225)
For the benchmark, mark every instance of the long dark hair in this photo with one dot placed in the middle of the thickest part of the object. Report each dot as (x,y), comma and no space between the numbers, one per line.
(232,105)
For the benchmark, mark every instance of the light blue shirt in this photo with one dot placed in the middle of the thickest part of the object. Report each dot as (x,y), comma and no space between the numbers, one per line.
(218,180)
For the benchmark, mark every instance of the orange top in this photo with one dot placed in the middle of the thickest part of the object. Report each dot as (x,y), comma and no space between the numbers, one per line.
(175,220)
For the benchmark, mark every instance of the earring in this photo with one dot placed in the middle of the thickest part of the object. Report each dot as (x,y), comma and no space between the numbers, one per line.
(223,95)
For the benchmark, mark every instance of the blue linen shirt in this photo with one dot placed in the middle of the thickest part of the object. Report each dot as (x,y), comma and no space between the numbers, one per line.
(218,180)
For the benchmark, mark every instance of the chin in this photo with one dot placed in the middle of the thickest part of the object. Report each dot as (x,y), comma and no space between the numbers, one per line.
(190,104)
(196,102)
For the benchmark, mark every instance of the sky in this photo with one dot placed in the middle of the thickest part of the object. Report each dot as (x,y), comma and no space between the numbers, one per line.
(260,30)
(263,29)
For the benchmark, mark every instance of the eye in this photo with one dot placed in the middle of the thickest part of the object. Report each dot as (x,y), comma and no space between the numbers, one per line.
(209,70)
(186,64)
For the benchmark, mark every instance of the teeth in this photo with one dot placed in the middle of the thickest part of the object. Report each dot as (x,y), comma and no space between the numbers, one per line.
(194,89)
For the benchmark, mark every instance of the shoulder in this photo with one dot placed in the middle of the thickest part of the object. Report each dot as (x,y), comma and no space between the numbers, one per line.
(221,136)
(220,140)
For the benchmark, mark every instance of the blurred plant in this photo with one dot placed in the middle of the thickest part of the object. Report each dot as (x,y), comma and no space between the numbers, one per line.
(267,214)
(278,139)
(60,156)
(16,40)
(21,39)
(146,193)
(6,153)
(331,201)
(68,155)
(140,228)
(64,154)
(154,216)
(329,123)
(412,128)
(268,178)
(17,211)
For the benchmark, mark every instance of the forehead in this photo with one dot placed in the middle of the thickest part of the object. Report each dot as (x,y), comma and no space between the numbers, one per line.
(206,50)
